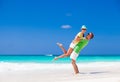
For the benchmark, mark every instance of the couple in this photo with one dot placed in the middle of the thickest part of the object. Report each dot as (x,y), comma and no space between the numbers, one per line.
(75,47)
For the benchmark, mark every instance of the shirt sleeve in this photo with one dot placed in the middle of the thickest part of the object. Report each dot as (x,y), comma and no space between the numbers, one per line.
(79,35)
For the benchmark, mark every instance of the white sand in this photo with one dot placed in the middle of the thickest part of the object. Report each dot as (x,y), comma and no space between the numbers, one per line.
(95,72)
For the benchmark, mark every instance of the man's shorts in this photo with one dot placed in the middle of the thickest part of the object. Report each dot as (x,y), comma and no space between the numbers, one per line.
(72,45)
(74,55)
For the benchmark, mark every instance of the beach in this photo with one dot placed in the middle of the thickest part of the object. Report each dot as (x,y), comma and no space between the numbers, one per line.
(33,33)
(41,72)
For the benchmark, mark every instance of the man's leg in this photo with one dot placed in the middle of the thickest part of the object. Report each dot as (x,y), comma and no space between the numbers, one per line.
(75,66)
(64,55)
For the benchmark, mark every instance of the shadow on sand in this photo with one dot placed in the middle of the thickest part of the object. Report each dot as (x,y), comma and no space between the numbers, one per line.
(94,72)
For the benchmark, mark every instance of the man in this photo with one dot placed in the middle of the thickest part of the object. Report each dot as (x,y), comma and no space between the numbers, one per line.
(78,37)
(77,50)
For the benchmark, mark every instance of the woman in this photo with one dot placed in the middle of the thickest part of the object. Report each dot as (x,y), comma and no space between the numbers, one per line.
(78,37)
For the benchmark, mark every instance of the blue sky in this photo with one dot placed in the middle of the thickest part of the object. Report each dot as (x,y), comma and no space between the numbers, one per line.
(34,26)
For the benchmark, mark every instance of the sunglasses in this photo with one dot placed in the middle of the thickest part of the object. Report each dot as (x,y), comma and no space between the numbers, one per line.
(84,29)
(89,34)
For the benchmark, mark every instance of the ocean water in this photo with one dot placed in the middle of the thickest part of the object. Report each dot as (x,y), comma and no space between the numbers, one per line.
(45,62)
(49,59)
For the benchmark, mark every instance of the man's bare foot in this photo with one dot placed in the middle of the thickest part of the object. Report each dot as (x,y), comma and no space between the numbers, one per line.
(59,44)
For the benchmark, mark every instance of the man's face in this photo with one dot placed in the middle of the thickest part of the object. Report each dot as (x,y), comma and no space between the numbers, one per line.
(89,37)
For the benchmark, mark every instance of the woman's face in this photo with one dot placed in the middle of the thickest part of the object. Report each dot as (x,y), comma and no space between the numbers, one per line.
(83,30)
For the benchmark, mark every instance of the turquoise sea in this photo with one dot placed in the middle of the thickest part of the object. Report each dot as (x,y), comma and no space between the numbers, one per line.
(49,59)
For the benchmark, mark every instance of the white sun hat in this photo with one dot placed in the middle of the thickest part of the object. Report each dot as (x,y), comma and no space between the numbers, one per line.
(83,27)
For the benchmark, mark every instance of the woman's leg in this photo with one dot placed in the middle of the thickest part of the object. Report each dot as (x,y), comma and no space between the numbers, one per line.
(64,55)
(62,48)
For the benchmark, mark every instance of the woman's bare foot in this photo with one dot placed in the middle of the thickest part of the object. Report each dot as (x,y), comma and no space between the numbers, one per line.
(59,44)
(56,58)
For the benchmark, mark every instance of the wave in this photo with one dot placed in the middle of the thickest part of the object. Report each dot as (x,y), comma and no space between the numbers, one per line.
(49,55)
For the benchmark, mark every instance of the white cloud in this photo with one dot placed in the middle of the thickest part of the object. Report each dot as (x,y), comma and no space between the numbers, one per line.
(66,26)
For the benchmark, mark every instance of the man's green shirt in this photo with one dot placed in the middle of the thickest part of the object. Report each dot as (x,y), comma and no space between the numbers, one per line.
(80,45)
